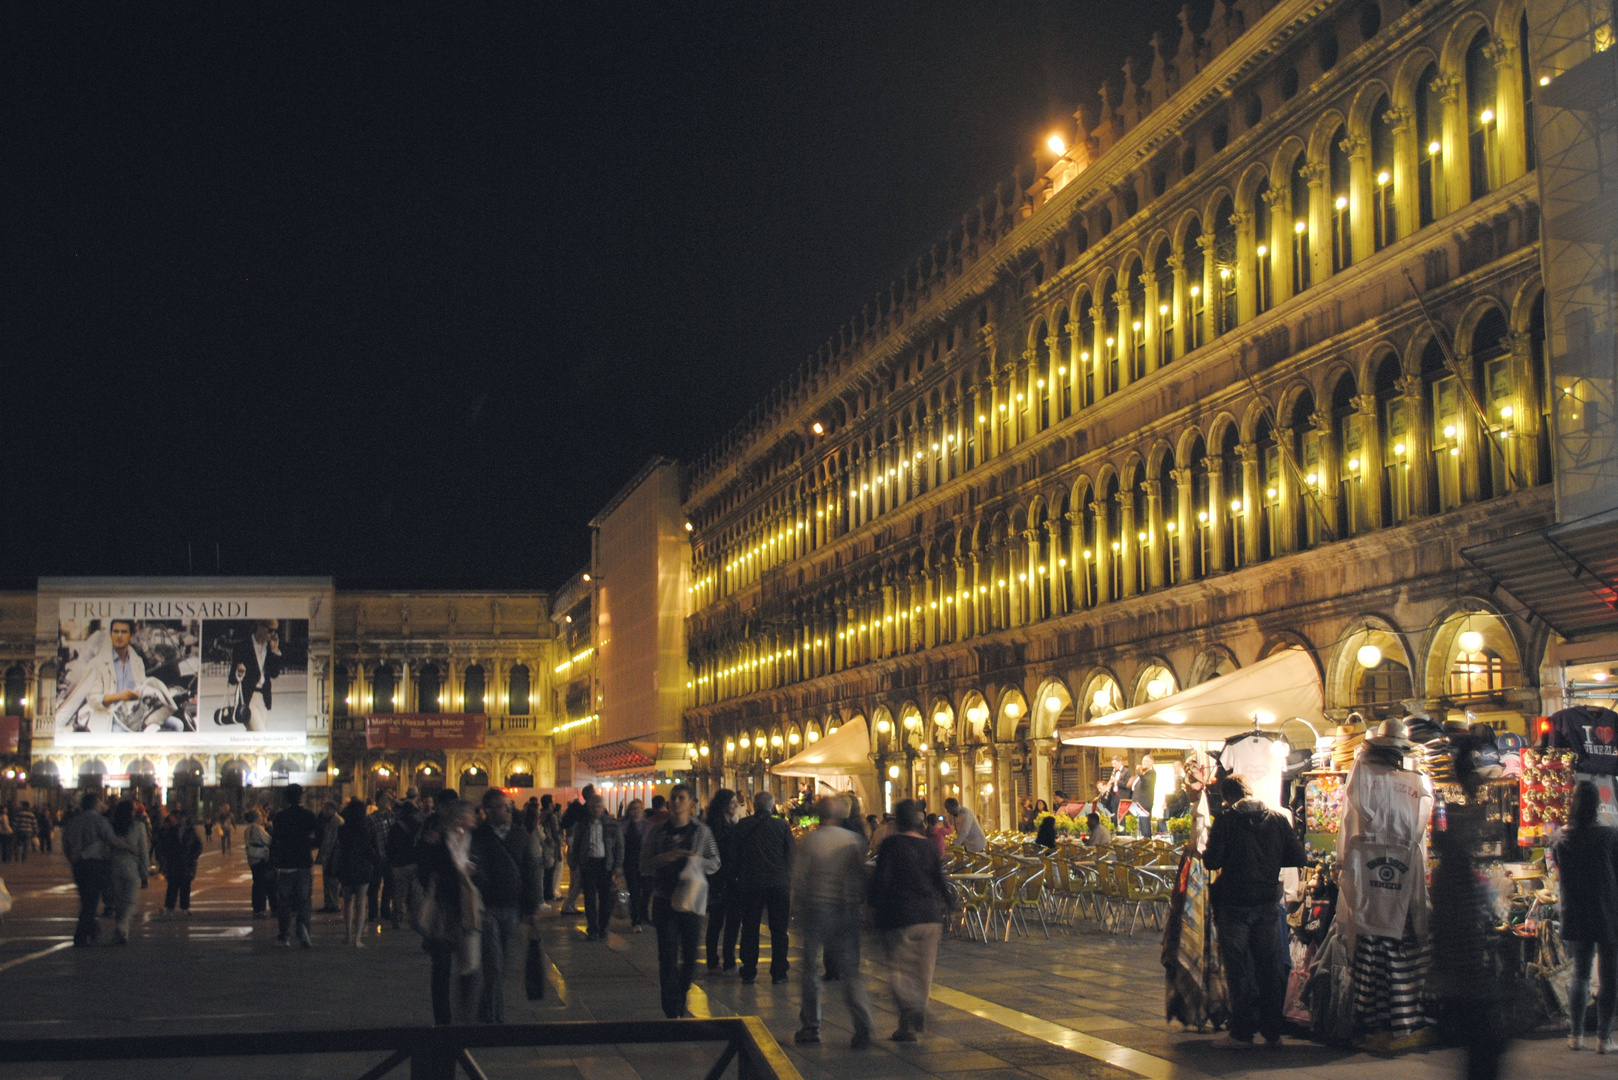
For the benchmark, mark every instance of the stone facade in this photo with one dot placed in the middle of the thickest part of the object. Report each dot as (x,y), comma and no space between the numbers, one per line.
(1140,420)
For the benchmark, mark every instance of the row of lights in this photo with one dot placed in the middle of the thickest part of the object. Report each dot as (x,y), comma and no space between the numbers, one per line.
(576,658)
(571,724)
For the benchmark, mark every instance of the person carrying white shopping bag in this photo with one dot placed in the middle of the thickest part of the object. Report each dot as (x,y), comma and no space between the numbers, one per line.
(679,854)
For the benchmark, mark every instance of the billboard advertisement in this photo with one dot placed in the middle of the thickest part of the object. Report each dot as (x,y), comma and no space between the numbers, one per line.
(157,672)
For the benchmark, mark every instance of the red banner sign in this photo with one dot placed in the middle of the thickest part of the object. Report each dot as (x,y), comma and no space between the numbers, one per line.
(425,731)
(10,734)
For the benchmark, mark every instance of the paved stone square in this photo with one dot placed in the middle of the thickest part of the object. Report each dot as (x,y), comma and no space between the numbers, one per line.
(1080,1006)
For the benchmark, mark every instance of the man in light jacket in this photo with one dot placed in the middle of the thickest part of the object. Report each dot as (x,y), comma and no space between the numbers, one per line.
(595,853)
(967,827)
(828,887)
(670,846)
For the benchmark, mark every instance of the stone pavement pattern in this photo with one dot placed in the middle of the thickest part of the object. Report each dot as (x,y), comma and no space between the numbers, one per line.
(1085,1006)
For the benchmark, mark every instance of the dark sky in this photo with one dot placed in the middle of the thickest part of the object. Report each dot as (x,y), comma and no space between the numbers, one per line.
(404,294)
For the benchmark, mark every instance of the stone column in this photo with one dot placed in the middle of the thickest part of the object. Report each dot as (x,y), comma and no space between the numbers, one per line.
(1125,340)
(1003,790)
(1371,466)
(1045,751)
(1056,568)
(1103,553)
(1319,219)
(1128,545)
(1287,495)
(1078,568)
(1453,190)
(1510,110)
(1327,483)
(1055,374)
(1185,523)
(1418,446)
(1244,281)
(1279,200)
(1216,511)
(1406,159)
(1151,320)
(1156,539)
(1252,495)
(1033,589)
(1098,351)
(1522,445)
(1361,190)
(1209,285)
(1179,299)
(1075,366)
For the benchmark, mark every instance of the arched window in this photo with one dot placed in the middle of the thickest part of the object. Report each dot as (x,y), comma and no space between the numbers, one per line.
(1263,287)
(384,698)
(1202,548)
(1137,316)
(1302,252)
(519,774)
(1393,413)
(1163,271)
(1165,548)
(1496,390)
(1477,674)
(16,690)
(1143,540)
(1482,94)
(340,691)
(1195,263)
(1349,438)
(1272,519)
(1088,385)
(1064,552)
(1064,357)
(1305,506)
(1342,240)
(429,687)
(1224,280)
(1383,686)
(1114,518)
(1429,147)
(1444,405)
(1235,507)
(1109,314)
(1042,375)
(1384,221)
(473,689)
(188,773)
(517,703)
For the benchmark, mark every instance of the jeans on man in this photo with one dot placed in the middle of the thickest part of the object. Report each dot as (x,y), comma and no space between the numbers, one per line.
(1248,950)
(293,889)
(678,933)
(837,928)
(91,876)
(755,902)
(599,895)
(502,930)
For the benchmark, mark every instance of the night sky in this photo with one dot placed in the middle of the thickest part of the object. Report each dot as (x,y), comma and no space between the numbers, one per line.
(403,294)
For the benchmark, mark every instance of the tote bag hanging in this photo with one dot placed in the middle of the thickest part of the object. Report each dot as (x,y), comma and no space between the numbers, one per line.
(691,894)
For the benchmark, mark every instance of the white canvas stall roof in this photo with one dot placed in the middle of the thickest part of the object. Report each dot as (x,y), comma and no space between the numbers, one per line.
(1276,689)
(844,753)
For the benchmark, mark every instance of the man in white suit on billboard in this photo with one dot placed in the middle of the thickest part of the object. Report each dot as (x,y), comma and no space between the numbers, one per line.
(114,677)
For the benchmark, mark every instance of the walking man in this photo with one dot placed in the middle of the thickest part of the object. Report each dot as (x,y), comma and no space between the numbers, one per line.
(669,845)
(828,887)
(597,850)
(294,836)
(379,896)
(505,876)
(88,841)
(576,812)
(1249,843)
(763,882)
(24,825)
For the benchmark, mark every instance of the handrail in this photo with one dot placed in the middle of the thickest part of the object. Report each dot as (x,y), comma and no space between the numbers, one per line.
(433,1052)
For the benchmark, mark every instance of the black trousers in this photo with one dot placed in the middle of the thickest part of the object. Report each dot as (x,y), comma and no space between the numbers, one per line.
(599,895)
(263,886)
(724,925)
(754,903)
(640,896)
(1248,945)
(90,875)
(179,890)
(677,935)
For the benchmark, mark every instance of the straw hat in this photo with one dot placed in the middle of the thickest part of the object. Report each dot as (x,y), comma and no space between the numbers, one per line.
(1391,734)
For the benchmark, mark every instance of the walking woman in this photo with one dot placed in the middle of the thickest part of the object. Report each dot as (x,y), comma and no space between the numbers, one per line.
(128,868)
(179,846)
(1586,855)
(257,846)
(909,897)
(451,910)
(724,914)
(355,861)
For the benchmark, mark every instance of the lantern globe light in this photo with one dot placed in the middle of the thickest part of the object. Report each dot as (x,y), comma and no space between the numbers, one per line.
(893,771)
(1053,703)
(883,726)
(1471,641)
(943,768)
(1013,709)
(1057,144)
(1369,656)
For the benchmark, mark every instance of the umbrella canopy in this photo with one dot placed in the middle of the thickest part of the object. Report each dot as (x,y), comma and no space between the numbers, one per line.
(845,753)
(1278,688)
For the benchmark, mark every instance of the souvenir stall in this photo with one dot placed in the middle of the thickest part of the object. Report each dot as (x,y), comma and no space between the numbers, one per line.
(840,762)
(1231,724)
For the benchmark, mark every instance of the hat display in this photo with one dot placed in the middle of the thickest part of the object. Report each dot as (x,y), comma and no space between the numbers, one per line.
(1391,734)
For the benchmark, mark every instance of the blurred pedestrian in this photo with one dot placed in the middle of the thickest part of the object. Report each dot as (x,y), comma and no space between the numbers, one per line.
(909,897)
(763,847)
(1045,831)
(294,836)
(399,849)
(596,852)
(379,890)
(7,836)
(179,846)
(88,841)
(509,888)
(550,833)
(226,821)
(127,868)
(256,846)
(452,912)
(575,812)
(329,821)
(24,825)
(724,914)
(670,845)
(1586,857)
(354,861)
(828,887)
(640,888)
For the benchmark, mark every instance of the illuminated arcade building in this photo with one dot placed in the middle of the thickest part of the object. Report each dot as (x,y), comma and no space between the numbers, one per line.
(1156,408)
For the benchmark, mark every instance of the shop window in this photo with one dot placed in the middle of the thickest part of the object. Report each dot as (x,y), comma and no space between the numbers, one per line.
(518,693)
(1477,674)
(1263,293)
(1429,146)
(1483,149)
(1383,219)
(384,696)
(473,690)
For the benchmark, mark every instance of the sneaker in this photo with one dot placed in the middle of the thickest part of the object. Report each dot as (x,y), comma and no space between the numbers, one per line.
(1609,1045)
(902,1035)
(303,938)
(861,1040)
(1227,1041)
(1575,1041)
(806,1036)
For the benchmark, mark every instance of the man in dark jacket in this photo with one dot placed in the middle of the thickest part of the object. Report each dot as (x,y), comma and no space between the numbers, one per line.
(1249,844)
(764,848)
(595,852)
(293,840)
(574,813)
(504,874)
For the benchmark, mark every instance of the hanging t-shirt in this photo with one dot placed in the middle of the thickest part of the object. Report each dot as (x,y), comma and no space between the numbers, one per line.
(1253,757)
(1382,850)
(1591,732)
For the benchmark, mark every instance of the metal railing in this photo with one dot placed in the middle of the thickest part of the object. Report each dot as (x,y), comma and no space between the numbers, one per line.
(434,1053)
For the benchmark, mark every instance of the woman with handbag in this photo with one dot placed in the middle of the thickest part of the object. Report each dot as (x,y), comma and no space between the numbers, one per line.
(257,849)
(448,916)
(1586,857)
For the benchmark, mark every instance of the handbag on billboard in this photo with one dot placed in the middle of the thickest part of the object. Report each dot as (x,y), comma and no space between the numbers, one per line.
(233,711)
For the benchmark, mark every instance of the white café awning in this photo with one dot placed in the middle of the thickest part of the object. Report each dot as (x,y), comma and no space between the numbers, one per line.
(1277,689)
(844,754)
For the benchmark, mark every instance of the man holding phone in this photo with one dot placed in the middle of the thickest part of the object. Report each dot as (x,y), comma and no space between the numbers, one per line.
(254,663)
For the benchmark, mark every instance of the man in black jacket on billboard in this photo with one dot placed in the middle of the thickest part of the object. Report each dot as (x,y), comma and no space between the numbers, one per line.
(1249,844)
